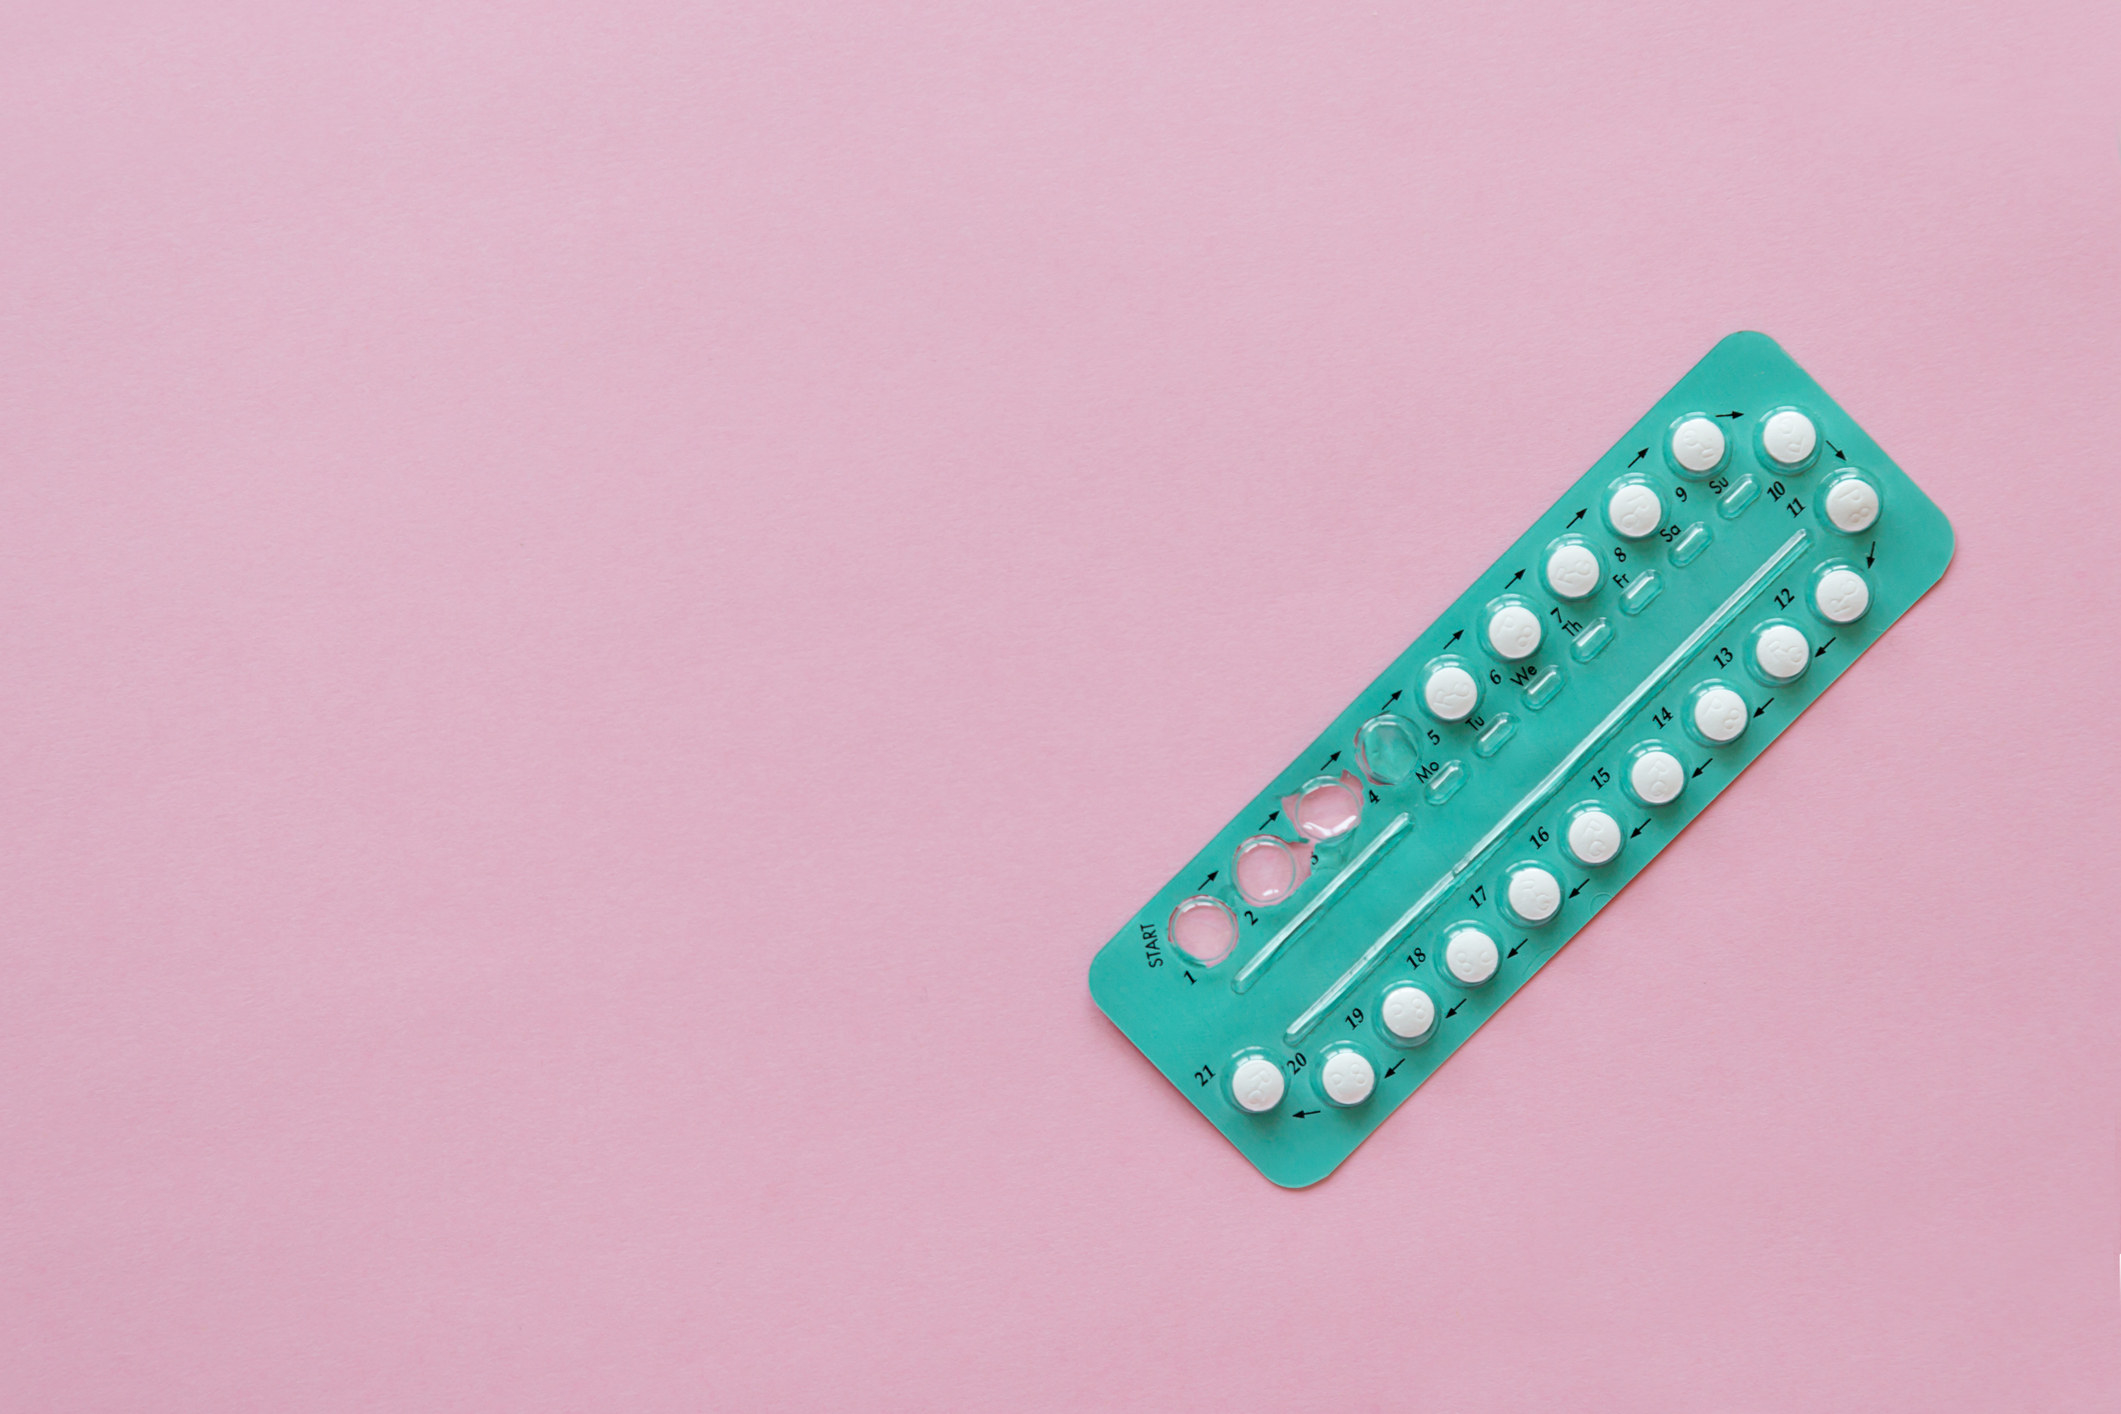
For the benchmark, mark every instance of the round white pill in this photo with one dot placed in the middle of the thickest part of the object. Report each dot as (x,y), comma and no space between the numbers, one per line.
(1852,505)
(1634,510)
(1594,836)
(1408,1012)
(1657,777)
(1781,651)
(1534,894)
(1256,1084)
(1842,596)
(1451,692)
(1471,957)
(1719,714)
(1513,631)
(1697,444)
(1347,1077)
(1572,570)
(1789,438)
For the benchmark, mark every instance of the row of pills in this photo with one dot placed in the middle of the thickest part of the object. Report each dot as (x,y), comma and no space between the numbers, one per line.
(1470,955)
(1839,594)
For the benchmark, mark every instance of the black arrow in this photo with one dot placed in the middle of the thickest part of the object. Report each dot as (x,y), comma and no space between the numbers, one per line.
(1640,453)
(1763,706)
(1574,518)
(1867,559)
(1823,647)
(1514,578)
(1638,829)
(1330,760)
(1454,638)
(1836,450)
(1395,1066)
(1702,767)
(1392,699)
(1211,877)
(1452,1012)
(1513,951)
(1579,888)
(1270,820)
(1303,1114)
(1726,414)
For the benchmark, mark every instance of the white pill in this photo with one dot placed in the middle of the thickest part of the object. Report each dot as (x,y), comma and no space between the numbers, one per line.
(1471,957)
(1657,777)
(1513,631)
(1781,651)
(1842,596)
(1852,505)
(1256,1084)
(1451,692)
(1719,714)
(1572,570)
(1594,837)
(1789,437)
(1634,510)
(1697,444)
(1535,894)
(1408,1012)
(1347,1077)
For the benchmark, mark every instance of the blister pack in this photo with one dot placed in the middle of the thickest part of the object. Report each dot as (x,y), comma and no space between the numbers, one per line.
(1536,747)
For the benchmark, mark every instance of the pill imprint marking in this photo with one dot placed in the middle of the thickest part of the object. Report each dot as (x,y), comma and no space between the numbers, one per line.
(1346,1076)
(1790,439)
(1256,1084)
(1698,445)
(1408,1013)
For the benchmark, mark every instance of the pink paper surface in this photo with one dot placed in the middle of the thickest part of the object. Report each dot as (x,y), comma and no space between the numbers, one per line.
(602,604)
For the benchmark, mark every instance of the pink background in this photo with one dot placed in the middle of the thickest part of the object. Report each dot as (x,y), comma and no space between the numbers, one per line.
(602,604)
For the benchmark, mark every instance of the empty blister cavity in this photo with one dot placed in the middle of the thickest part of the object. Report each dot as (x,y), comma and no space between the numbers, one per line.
(1654,775)
(1688,547)
(1532,894)
(1388,748)
(1342,880)
(1789,439)
(1445,782)
(1470,955)
(1633,508)
(1851,503)
(1572,568)
(1637,596)
(1449,690)
(1542,689)
(1840,594)
(1592,835)
(1256,1084)
(1204,929)
(1697,446)
(1512,630)
(1268,869)
(1497,734)
(1592,641)
(1742,493)
(1345,1075)
(1716,713)
(1779,652)
(1327,807)
(1407,1014)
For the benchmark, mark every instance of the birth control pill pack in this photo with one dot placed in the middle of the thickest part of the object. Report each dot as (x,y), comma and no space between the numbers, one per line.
(1533,750)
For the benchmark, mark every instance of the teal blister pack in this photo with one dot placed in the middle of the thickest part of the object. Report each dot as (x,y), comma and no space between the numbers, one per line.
(1535,748)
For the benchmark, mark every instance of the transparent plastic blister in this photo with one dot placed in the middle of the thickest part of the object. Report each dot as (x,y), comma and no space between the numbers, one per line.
(1529,753)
